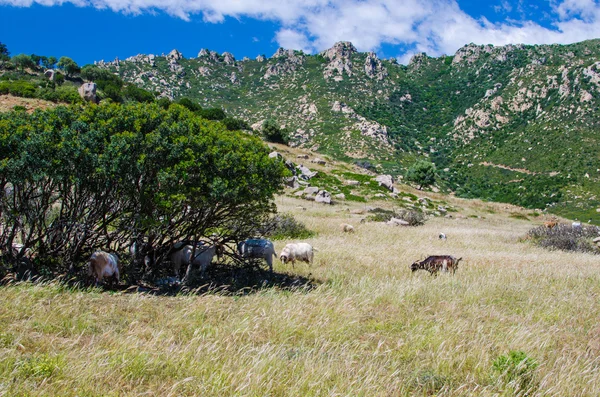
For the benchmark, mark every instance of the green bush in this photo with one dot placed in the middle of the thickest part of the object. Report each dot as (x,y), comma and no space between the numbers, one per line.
(273,133)
(283,226)
(68,94)
(19,88)
(233,124)
(516,368)
(133,93)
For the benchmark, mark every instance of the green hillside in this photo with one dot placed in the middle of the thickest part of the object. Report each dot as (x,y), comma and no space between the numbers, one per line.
(514,123)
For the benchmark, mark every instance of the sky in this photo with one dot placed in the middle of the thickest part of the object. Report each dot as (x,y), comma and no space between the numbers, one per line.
(93,30)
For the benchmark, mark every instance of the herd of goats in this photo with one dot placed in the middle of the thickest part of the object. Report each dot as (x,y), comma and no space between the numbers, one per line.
(103,265)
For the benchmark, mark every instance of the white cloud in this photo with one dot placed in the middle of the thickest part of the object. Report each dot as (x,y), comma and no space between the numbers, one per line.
(288,38)
(435,26)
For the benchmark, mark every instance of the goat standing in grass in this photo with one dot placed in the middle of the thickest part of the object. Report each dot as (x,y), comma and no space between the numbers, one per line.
(103,265)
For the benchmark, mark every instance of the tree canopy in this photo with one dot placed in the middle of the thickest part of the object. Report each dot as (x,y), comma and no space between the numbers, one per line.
(422,173)
(68,65)
(82,179)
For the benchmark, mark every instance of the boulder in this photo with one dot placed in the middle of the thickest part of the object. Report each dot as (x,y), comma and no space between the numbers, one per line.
(275,155)
(340,196)
(302,156)
(311,190)
(386,180)
(323,197)
(352,183)
(306,173)
(318,161)
(87,91)
(49,74)
(397,222)
(292,182)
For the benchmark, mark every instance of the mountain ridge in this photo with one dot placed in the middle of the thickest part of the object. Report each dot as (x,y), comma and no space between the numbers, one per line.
(525,107)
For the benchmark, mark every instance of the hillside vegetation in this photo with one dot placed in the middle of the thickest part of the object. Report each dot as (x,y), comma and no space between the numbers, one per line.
(514,124)
(514,320)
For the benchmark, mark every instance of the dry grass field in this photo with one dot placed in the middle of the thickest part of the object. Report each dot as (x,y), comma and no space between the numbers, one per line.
(369,328)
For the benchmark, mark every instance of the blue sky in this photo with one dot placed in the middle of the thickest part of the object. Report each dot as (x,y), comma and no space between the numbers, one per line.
(88,30)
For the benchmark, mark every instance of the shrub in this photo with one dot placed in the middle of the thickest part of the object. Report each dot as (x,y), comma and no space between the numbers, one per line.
(414,218)
(133,93)
(233,124)
(273,133)
(283,226)
(18,88)
(380,215)
(566,238)
(366,165)
(517,368)
(68,95)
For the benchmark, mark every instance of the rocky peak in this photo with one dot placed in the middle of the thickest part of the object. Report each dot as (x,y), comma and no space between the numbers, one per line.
(282,52)
(203,53)
(418,59)
(228,58)
(340,62)
(470,53)
(341,49)
(174,55)
(260,58)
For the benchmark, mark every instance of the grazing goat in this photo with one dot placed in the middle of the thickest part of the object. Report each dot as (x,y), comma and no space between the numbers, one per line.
(203,256)
(103,265)
(435,263)
(347,228)
(257,249)
(297,251)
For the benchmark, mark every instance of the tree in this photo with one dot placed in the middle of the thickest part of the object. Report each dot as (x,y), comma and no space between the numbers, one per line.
(68,65)
(36,59)
(23,61)
(422,173)
(104,176)
(273,133)
(49,62)
(4,54)
(59,79)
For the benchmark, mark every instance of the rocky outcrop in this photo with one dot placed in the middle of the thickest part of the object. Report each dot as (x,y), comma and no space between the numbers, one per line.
(174,55)
(386,181)
(366,127)
(228,58)
(374,67)
(340,62)
(286,62)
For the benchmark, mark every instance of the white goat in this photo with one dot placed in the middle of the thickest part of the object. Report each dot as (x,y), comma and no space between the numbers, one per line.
(257,249)
(103,265)
(202,257)
(347,228)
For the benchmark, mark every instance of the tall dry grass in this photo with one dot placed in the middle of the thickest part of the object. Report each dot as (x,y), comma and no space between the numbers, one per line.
(371,328)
